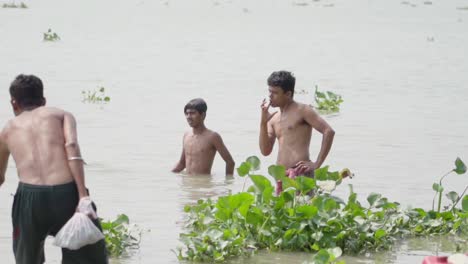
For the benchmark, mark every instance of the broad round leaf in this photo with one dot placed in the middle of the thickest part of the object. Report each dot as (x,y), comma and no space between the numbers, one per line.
(373,197)
(460,167)
(277,171)
(243,169)
(465,203)
(437,187)
(254,163)
(453,196)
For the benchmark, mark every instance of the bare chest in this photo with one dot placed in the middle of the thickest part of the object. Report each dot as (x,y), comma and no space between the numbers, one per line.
(198,145)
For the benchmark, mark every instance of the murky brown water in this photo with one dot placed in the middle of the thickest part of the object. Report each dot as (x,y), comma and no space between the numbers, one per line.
(402,71)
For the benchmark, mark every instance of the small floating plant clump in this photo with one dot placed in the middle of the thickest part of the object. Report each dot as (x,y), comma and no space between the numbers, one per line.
(327,102)
(306,216)
(96,97)
(51,36)
(121,238)
(14,5)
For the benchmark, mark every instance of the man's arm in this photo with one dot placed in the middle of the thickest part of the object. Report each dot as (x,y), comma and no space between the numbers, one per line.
(180,166)
(224,152)
(267,135)
(319,124)
(75,161)
(4,155)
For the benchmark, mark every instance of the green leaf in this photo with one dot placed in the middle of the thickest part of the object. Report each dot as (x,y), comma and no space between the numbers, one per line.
(277,171)
(243,169)
(373,197)
(321,174)
(453,196)
(335,252)
(465,203)
(437,187)
(460,167)
(305,184)
(261,182)
(379,234)
(307,210)
(322,257)
(254,163)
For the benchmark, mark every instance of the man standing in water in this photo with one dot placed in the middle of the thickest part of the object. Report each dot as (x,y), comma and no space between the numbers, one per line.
(200,144)
(43,143)
(292,126)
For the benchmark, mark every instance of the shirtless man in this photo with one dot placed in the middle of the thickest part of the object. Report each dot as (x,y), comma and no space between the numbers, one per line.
(43,143)
(292,126)
(200,144)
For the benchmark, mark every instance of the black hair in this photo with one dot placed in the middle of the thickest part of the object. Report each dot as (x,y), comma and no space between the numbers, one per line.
(283,79)
(27,90)
(197,104)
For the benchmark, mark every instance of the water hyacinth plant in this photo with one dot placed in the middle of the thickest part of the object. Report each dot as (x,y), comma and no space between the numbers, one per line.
(14,5)
(50,36)
(120,236)
(323,224)
(96,96)
(327,102)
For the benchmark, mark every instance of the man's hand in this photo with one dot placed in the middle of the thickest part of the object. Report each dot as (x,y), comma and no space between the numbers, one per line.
(266,116)
(305,167)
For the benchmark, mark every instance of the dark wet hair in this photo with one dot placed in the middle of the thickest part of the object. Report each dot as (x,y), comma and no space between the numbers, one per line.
(283,79)
(197,104)
(27,90)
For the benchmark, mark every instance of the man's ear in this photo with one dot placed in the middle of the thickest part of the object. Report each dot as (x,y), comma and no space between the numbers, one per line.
(14,105)
(290,94)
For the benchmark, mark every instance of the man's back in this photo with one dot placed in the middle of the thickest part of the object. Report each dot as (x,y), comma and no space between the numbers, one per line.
(36,141)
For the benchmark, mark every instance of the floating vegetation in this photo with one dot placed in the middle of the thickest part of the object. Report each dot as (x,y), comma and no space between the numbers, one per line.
(300,3)
(427,2)
(462,8)
(120,236)
(95,97)
(323,224)
(14,5)
(327,102)
(51,36)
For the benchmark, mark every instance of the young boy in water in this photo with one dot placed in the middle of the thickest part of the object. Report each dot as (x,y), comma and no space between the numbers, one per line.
(43,142)
(201,144)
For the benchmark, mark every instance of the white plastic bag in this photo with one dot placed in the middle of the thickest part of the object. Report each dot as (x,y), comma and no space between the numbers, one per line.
(85,206)
(79,231)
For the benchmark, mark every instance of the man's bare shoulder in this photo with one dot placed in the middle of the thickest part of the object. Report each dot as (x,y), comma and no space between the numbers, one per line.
(305,109)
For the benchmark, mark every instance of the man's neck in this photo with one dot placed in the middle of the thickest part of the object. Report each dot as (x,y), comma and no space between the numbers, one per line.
(27,109)
(199,129)
(285,107)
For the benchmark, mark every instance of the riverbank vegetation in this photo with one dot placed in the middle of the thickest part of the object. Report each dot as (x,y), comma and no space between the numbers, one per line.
(323,224)
(14,5)
(50,36)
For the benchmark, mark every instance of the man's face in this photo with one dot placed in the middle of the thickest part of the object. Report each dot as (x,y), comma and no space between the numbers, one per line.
(277,96)
(194,118)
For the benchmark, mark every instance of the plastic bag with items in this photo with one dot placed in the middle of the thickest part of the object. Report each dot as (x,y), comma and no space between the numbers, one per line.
(79,231)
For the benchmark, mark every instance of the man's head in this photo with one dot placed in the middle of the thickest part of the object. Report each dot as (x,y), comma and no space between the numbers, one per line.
(281,87)
(26,91)
(195,112)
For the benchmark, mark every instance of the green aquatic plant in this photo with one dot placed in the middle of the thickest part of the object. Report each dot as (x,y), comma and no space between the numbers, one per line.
(323,224)
(120,236)
(95,96)
(14,5)
(454,197)
(327,102)
(50,36)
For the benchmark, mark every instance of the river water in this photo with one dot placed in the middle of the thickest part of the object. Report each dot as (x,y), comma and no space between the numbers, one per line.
(401,67)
